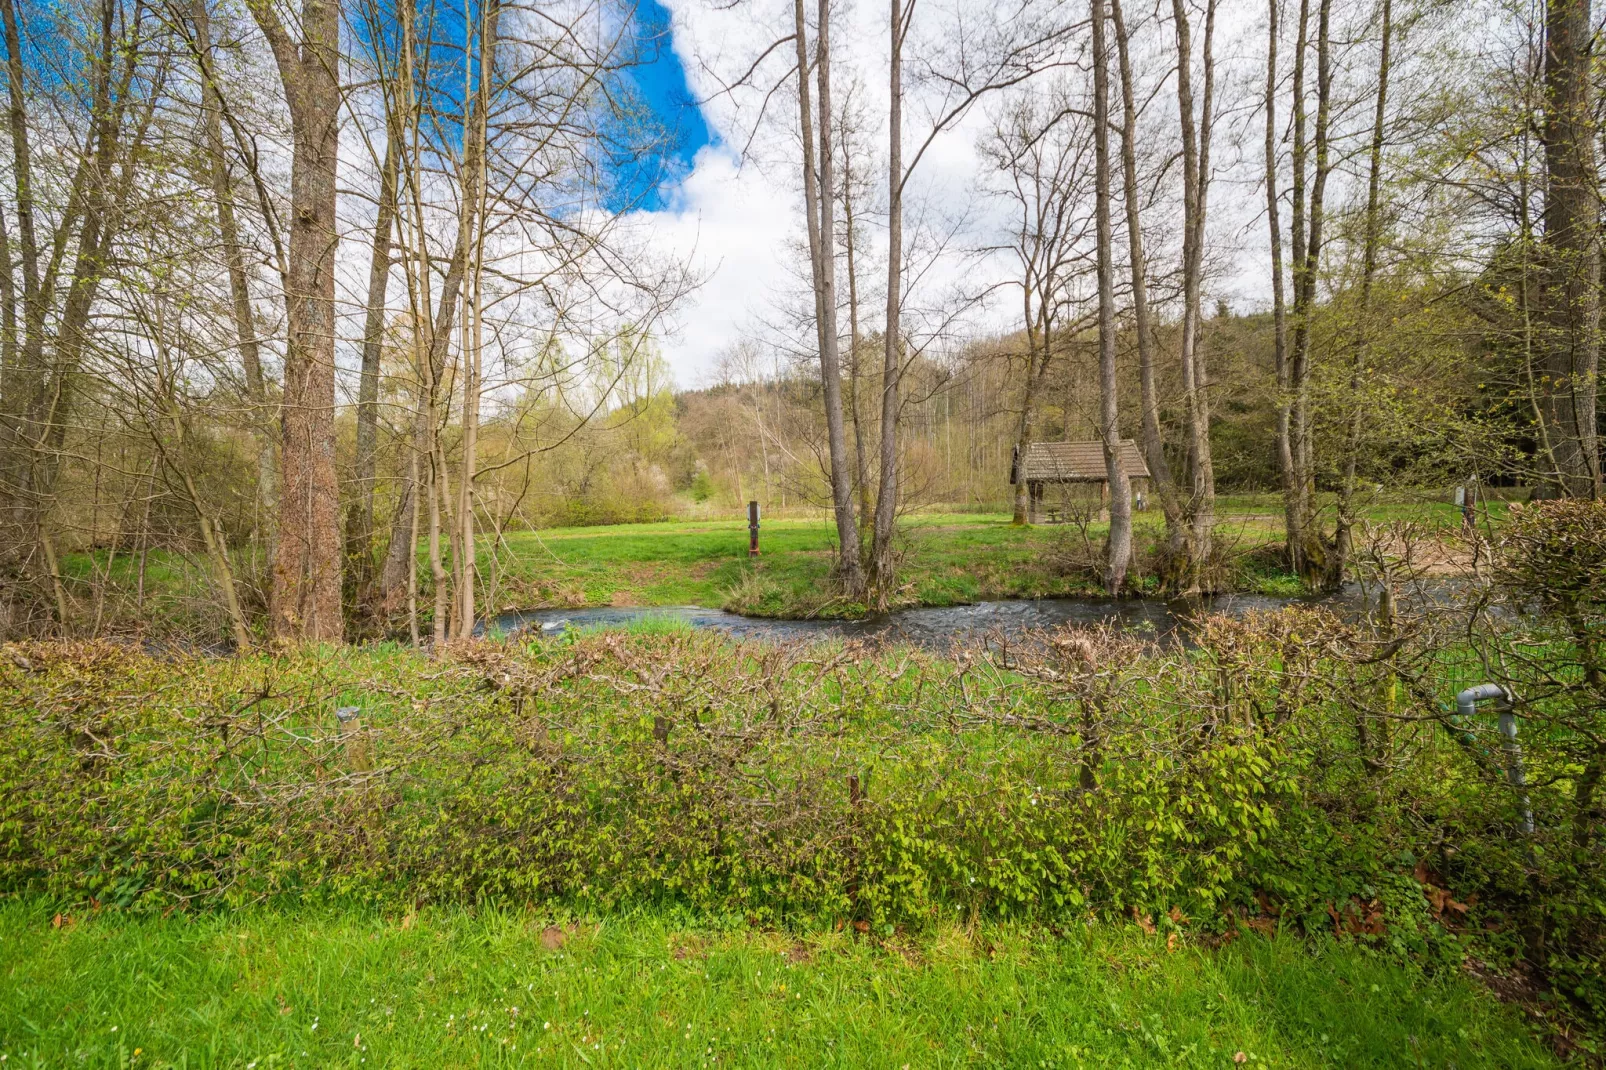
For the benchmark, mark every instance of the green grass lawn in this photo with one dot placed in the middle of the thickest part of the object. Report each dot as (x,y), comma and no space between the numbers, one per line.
(947,559)
(258,989)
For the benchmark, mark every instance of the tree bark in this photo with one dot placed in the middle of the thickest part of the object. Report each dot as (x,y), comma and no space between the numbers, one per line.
(1372,239)
(818,199)
(886,509)
(1279,299)
(1570,251)
(306,569)
(1307,555)
(473,208)
(1178,535)
(1195,184)
(1118,550)
(855,340)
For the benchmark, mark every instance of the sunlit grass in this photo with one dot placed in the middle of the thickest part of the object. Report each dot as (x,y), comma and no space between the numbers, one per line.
(452,988)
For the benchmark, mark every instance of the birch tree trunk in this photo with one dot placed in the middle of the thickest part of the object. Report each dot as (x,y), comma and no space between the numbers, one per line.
(1178,534)
(886,509)
(1195,185)
(1279,300)
(1118,550)
(818,199)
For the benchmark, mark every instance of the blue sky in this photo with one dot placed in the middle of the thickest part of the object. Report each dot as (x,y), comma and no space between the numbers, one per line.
(660,81)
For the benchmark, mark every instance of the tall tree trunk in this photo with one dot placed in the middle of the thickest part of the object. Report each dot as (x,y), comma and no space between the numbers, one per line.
(1279,300)
(818,198)
(435,327)
(306,569)
(1345,524)
(1195,183)
(886,507)
(473,207)
(1118,551)
(1570,251)
(1307,554)
(360,521)
(1178,534)
(855,340)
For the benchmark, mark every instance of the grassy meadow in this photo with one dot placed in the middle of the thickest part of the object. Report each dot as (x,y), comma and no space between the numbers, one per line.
(945,558)
(455,988)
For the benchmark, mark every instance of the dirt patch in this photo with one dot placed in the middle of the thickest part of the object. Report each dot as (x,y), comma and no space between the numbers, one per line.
(687,947)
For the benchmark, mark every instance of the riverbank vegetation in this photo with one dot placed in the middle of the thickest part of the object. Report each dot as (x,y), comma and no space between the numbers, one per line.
(1293,772)
(945,558)
(356,321)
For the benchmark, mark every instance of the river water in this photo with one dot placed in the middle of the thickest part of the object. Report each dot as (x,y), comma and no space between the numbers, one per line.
(932,627)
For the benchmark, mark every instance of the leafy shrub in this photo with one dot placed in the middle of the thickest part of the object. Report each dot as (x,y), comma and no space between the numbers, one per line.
(1289,769)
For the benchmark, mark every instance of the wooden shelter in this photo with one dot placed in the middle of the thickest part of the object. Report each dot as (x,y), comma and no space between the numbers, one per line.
(1073,466)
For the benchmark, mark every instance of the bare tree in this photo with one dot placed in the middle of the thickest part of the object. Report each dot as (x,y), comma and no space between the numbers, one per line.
(1118,550)
(1306,553)
(126,74)
(1371,239)
(1196,137)
(852,194)
(234,258)
(1142,316)
(819,207)
(1040,154)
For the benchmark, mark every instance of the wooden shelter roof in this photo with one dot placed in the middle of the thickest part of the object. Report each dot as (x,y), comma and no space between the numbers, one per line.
(1073,462)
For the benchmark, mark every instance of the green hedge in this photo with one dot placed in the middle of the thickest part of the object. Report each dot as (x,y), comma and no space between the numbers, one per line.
(1079,775)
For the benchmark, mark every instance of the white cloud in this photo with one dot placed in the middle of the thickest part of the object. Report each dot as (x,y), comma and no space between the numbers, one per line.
(732,222)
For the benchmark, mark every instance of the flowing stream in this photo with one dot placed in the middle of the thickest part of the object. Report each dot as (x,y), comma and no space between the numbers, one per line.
(932,627)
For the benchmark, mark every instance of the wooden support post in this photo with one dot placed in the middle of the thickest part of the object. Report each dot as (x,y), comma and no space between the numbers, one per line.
(752,529)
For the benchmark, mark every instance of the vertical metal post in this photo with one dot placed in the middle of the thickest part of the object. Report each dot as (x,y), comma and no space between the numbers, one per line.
(752,529)
(350,718)
(1466,704)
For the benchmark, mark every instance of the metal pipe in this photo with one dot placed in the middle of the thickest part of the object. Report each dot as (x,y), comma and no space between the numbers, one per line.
(1466,704)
